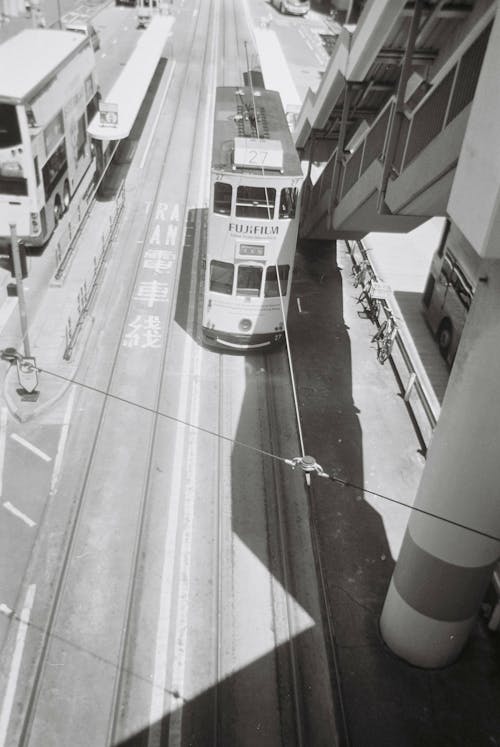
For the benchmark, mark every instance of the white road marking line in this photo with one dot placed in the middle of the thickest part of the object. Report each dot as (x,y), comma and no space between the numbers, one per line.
(5,610)
(156,710)
(30,446)
(192,438)
(16,512)
(155,123)
(10,691)
(298,305)
(3,435)
(62,442)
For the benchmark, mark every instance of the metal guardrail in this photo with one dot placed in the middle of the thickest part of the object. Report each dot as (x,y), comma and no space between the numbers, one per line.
(88,288)
(416,390)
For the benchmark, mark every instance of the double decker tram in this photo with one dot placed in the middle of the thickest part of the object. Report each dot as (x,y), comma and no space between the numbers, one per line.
(252,220)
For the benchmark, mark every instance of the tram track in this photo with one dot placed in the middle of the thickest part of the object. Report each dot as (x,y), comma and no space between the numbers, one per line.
(70,548)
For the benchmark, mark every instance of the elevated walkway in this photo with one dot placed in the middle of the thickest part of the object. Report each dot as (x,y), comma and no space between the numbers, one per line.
(391,164)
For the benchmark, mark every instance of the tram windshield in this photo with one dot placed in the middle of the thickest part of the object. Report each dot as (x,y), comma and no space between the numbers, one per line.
(249,280)
(255,202)
(222,198)
(221,277)
(271,287)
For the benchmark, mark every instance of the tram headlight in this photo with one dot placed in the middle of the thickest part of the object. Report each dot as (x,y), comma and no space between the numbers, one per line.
(245,325)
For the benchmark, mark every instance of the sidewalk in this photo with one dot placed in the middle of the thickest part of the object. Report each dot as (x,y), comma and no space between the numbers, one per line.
(60,316)
(356,426)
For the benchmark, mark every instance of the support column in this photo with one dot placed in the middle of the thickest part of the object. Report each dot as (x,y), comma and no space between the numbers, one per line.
(445,564)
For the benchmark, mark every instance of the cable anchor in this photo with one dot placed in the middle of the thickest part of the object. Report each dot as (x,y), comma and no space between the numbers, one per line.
(308,464)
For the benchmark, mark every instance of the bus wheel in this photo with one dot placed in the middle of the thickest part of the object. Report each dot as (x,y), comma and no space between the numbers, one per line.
(66,195)
(444,338)
(57,210)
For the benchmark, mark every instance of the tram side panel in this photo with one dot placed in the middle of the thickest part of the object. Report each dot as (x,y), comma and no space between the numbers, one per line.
(251,243)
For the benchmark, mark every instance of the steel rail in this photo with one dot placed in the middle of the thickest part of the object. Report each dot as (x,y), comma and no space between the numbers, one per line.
(71,538)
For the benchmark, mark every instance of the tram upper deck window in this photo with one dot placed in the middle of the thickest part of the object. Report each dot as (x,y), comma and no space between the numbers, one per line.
(255,202)
(221,277)
(249,280)
(271,287)
(222,198)
(288,202)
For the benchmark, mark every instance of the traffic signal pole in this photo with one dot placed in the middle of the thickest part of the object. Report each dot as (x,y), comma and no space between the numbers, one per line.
(20,289)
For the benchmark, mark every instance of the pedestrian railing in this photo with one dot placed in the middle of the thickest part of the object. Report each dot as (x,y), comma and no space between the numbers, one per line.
(416,390)
(87,290)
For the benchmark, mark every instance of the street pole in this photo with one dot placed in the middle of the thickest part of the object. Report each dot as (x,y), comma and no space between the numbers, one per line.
(20,289)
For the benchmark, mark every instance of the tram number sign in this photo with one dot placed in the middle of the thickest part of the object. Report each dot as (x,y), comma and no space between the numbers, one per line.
(258,153)
(251,250)
(108,114)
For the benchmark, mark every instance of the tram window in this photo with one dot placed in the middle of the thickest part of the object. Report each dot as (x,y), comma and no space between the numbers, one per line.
(271,287)
(288,202)
(221,277)
(255,202)
(222,198)
(249,280)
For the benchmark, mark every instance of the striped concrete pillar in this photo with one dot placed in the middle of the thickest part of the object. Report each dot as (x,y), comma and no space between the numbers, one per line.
(445,564)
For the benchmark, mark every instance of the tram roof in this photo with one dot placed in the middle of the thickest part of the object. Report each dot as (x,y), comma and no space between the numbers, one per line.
(127,94)
(33,56)
(232,101)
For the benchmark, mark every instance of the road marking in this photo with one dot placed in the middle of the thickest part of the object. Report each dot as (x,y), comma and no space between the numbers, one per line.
(5,610)
(298,305)
(16,512)
(155,123)
(189,466)
(15,667)
(3,436)
(62,442)
(30,446)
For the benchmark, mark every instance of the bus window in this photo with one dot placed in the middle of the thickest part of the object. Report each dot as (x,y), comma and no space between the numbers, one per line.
(221,277)
(271,285)
(54,169)
(288,202)
(446,272)
(255,202)
(10,134)
(462,290)
(249,280)
(222,198)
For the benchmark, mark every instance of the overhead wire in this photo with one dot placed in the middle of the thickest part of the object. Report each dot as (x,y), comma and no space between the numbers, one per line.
(258,450)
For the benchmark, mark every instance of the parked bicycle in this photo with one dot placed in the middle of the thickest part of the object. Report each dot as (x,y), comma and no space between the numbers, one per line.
(361,273)
(371,306)
(384,337)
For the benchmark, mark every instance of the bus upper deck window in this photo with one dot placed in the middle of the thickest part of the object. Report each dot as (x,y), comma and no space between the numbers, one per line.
(271,287)
(249,280)
(255,202)
(221,277)
(222,198)
(10,133)
(288,202)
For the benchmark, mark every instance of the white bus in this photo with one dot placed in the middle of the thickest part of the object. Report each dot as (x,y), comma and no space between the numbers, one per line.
(449,289)
(47,99)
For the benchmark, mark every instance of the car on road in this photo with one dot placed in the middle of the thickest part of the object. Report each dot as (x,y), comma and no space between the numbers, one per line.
(294,7)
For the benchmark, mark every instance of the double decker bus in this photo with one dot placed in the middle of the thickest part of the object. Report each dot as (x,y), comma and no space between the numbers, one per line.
(449,289)
(253,220)
(47,99)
